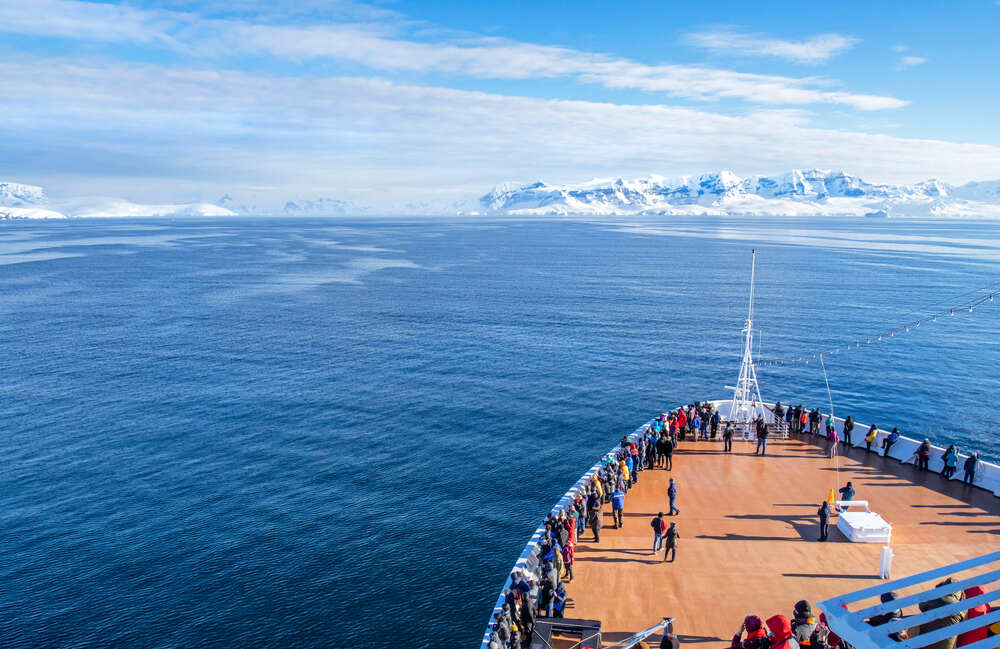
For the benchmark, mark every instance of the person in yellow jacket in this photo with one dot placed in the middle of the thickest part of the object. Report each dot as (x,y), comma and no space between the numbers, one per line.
(870,438)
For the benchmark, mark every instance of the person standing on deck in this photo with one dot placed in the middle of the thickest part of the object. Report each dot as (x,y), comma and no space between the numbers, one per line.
(970,466)
(672,495)
(831,438)
(889,440)
(704,426)
(715,423)
(814,421)
(594,519)
(848,427)
(847,493)
(924,455)
(668,453)
(790,419)
(636,463)
(670,545)
(559,601)
(830,424)
(824,520)
(695,426)
(761,437)
(803,418)
(870,438)
(727,437)
(618,505)
(659,529)
(950,459)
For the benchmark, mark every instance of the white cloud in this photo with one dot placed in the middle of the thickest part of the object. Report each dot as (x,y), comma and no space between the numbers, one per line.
(379,46)
(899,49)
(811,50)
(910,61)
(115,126)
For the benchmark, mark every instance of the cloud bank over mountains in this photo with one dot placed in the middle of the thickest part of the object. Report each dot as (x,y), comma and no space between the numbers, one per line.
(182,102)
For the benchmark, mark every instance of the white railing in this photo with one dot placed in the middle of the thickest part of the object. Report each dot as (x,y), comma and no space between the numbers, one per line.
(851,625)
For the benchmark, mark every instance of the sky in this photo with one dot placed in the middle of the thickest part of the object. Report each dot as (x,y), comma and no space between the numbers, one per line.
(436,101)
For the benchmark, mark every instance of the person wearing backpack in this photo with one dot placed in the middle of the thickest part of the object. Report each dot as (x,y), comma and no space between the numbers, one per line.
(659,529)
(670,545)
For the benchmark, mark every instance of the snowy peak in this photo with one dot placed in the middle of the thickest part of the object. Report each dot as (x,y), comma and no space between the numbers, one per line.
(18,195)
(797,192)
(318,206)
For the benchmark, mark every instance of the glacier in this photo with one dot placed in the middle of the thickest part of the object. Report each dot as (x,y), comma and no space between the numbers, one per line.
(800,192)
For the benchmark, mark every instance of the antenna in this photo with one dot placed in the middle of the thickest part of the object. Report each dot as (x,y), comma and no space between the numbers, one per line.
(747,404)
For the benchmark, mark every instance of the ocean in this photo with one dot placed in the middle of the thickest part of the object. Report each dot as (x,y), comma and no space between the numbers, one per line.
(340,433)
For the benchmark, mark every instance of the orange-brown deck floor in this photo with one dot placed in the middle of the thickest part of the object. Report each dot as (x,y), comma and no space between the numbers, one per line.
(748,537)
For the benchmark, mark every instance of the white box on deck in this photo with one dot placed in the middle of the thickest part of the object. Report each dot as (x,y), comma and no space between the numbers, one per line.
(862,527)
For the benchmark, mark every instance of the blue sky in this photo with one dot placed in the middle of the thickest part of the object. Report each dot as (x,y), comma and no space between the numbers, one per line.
(437,101)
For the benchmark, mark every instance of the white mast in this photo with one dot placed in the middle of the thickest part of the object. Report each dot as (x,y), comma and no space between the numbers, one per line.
(747,404)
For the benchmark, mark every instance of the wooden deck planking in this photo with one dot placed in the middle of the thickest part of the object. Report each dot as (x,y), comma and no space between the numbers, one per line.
(748,527)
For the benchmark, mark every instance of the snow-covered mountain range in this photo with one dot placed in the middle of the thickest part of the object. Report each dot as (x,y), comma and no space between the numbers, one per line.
(796,193)
(19,201)
(811,192)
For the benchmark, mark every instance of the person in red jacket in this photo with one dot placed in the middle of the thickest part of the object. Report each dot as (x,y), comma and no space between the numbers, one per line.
(983,632)
(781,633)
(756,634)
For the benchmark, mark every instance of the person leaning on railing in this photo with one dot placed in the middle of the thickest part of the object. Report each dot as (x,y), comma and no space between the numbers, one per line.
(870,438)
(889,440)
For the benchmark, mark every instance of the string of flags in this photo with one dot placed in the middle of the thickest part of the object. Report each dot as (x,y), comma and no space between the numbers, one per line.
(967,306)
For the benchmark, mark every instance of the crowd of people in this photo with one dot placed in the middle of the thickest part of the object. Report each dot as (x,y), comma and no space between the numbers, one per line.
(803,421)
(804,629)
(539,589)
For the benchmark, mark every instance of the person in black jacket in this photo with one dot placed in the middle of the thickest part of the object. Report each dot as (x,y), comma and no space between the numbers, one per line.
(727,437)
(848,427)
(761,437)
(889,616)
(824,520)
(803,623)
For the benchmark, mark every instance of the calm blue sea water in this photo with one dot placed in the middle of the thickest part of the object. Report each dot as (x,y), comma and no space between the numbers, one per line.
(316,433)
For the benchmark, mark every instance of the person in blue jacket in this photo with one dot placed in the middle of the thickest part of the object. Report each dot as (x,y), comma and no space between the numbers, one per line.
(672,494)
(618,505)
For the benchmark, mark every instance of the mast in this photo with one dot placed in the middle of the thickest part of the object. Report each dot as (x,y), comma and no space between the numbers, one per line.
(747,404)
